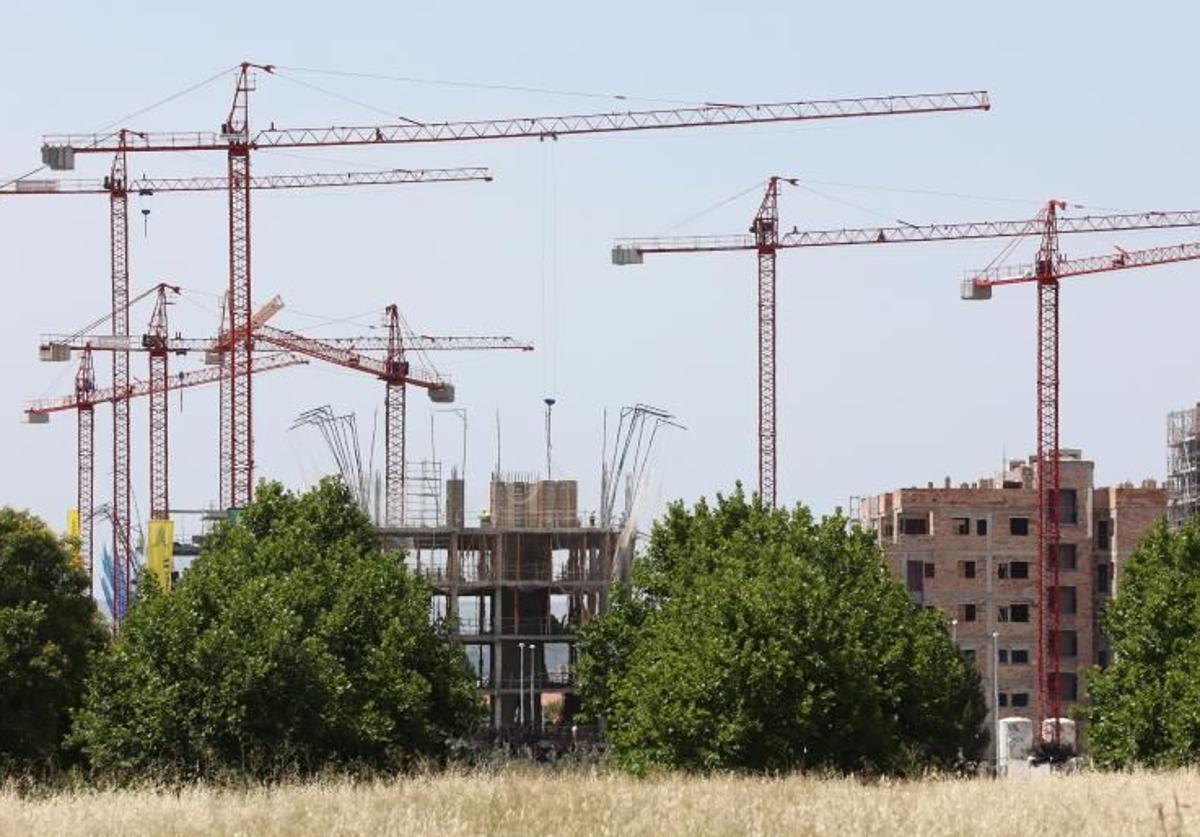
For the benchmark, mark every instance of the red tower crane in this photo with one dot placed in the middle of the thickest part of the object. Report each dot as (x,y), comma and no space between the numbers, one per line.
(85,441)
(159,344)
(155,342)
(766,240)
(396,373)
(236,140)
(83,401)
(1046,272)
(118,187)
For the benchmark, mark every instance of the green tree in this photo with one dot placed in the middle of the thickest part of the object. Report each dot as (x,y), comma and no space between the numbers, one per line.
(759,639)
(293,643)
(1145,706)
(48,629)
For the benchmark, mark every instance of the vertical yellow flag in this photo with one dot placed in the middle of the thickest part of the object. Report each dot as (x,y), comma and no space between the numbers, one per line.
(160,552)
(75,534)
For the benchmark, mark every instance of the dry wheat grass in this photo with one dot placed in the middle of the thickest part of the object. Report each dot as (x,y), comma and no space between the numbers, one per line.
(528,802)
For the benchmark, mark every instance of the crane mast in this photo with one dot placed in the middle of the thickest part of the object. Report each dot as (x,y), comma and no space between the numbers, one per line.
(766,239)
(1049,473)
(236,130)
(118,202)
(85,443)
(156,344)
(395,413)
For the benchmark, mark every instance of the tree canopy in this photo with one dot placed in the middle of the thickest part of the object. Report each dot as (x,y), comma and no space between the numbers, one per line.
(48,629)
(293,643)
(760,639)
(1145,706)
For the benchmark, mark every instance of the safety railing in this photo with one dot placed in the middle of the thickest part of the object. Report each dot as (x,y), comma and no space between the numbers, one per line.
(539,626)
(557,679)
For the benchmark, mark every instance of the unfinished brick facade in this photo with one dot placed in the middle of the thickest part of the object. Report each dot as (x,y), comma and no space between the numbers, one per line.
(971,552)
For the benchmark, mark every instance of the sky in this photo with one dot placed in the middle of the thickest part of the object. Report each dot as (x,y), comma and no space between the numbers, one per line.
(885,377)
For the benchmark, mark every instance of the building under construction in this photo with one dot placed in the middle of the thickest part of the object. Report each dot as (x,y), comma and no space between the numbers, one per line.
(1183,465)
(519,580)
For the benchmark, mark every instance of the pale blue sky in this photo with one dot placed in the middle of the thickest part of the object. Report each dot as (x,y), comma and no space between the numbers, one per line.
(885,377)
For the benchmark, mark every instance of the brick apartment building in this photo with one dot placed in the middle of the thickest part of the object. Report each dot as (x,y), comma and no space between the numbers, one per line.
(971,552)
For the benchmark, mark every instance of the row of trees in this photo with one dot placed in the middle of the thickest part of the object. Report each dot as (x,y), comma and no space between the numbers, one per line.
(749,638)
(293,644)
(1145,706)
(49,632)
(756,638)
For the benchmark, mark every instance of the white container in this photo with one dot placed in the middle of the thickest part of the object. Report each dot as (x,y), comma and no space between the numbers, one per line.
(1014,745)
(1066,732)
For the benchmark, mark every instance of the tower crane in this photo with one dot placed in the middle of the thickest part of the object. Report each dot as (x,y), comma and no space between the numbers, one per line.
(85,441)
(83,401)
(118,186)
(236,140)
(395,371)
(1046,272)
(766,239)
(155,342)
(158,344)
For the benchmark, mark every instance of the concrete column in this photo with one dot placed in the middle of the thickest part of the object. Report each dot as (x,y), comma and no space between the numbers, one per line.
(498,719)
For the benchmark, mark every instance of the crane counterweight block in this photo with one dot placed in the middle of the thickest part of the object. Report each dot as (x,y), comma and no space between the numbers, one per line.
(973,289)
(443,394)
(622,255)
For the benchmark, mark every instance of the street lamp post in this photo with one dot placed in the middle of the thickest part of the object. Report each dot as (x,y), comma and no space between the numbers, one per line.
(954,630)
(521,686)
(996,694)
(533,719)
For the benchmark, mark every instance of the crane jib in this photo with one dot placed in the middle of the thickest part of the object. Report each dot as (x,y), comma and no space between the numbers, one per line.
(629,250)
(59,149)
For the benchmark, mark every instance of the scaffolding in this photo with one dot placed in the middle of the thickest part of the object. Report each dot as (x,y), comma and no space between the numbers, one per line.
(1183,465)
(423,493)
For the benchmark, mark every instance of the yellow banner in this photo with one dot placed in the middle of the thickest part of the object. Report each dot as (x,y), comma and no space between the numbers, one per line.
(160,551)
(74,535)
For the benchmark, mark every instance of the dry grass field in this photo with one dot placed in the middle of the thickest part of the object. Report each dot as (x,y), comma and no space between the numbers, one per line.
(527,802)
